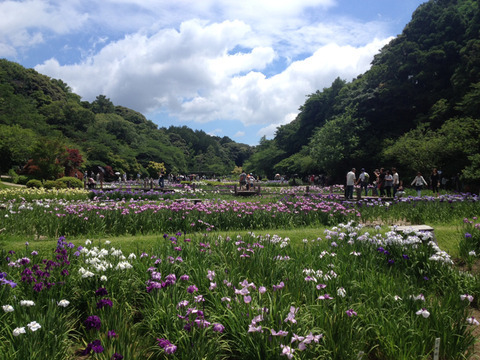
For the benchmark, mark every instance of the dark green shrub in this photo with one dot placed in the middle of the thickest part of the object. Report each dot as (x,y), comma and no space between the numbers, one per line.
(295,182)
(69,181)
(34,184)
(23,180)
(13,176)
(49,184)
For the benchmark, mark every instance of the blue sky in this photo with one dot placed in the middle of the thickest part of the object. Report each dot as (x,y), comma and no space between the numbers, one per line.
(228,67)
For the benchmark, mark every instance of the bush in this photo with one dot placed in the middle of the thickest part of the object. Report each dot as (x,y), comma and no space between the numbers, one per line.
(13,176)
(69,181)
(23,180)
(51,184)
(34,183)
(295,182)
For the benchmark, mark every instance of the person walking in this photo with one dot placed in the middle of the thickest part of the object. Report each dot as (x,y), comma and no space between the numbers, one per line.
(350,184)
(419,182)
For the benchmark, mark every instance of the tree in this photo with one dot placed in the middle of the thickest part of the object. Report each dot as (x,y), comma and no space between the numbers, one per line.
(154,169)
(417,150)
(102,105)
(337,145)
(301,163)
(237,170)
(48,157)
(264,158)
(72,162)
(15,146)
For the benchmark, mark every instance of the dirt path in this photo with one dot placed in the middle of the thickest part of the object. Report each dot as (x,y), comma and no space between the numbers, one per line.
(12,184)
(9,183)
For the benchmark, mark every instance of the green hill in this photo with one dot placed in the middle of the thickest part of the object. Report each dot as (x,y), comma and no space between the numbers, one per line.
(40,117)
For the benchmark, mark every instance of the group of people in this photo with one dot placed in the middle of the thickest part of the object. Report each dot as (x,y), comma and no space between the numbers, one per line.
(435,182)
(247,181)
(92,180)
(388,183)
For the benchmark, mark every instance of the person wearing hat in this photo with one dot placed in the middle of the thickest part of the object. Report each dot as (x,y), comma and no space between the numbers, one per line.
(364,180)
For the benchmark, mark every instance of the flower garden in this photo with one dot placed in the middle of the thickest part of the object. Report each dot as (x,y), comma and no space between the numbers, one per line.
(215,280)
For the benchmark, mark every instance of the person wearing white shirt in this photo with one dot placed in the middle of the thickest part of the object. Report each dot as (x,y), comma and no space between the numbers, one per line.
(350,184)
(364,180)
(396,181)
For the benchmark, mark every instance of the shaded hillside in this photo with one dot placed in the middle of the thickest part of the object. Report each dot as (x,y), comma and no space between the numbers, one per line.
(416,108)
(37,111)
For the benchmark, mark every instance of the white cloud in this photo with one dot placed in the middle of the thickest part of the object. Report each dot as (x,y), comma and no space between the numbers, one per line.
(269,131)
(239,134)
(24,22)
(253,61)
(192,74)
(215,132)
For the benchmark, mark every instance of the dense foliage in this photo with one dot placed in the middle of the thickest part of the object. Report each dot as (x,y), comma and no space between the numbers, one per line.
(46,130)
(416,108)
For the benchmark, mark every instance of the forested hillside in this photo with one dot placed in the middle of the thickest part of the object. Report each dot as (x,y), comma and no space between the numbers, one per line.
(418,107)
(46,131)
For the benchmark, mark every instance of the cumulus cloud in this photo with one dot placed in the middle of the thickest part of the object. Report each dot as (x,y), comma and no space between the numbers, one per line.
(24,23)
(252,61)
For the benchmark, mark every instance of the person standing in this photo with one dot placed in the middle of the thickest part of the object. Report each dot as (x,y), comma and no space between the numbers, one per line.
(435,180)
(388,183)
(251,182)
(396,181)
(161,180)
(381,182)
(364,180)
(350,184)
(419,181)
(242,180)
(376,173)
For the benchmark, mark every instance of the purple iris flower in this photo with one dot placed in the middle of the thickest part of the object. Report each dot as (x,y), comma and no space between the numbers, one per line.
(104,302)
(101,292)
(93,322)
(218,328)
(191,289)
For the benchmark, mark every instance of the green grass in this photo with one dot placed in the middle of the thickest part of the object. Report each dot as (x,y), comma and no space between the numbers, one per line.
(448,237)
(133,243)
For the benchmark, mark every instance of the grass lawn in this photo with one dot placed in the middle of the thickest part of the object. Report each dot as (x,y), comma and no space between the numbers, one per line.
(448,237)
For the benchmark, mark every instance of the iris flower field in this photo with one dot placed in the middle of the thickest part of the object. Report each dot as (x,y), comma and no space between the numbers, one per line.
(214,280)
